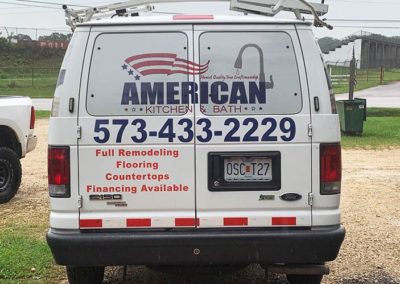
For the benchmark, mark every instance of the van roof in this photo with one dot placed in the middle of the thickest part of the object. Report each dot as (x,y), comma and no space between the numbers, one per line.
(191,19)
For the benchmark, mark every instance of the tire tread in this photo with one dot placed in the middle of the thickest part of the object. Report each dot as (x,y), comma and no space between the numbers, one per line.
(83,275)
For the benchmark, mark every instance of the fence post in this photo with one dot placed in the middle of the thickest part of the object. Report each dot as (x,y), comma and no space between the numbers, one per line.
(367,74)
(32,75)
(352,78)
(382,74)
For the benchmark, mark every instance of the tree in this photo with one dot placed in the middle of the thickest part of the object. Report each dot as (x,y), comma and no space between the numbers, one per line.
(56,37)
(3,42)
(326,43)
(21,38)
(396,39)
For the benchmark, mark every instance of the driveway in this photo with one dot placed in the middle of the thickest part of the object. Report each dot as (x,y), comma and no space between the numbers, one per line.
(381,96)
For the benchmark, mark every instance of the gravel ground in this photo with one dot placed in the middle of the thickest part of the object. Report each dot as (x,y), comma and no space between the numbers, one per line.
(370,213)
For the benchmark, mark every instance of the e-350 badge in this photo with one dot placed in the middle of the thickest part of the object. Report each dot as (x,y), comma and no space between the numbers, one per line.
(112,199)
(94,197)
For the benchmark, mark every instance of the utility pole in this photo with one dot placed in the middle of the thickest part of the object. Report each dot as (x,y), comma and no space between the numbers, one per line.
(352,80)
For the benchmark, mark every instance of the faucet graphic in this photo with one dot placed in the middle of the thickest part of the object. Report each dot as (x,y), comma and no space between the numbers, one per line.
(239,63)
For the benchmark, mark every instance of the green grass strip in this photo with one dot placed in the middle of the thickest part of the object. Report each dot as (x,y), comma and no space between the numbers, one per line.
(379,132)
(362,83)
(42,113)
(23,257)
(383,112)
(33,92)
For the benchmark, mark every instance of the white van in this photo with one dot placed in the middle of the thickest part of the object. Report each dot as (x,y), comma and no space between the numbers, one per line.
(194,140)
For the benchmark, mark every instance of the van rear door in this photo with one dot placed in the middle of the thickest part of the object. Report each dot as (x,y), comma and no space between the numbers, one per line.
(136,151)
(253,151)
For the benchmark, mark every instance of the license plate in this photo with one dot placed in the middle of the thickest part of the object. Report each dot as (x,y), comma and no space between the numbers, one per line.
(248,169)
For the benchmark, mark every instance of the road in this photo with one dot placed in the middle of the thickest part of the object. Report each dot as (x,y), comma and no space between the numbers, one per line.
(381,96)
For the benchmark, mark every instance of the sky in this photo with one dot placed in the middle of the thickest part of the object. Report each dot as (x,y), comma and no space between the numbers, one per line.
(376,16)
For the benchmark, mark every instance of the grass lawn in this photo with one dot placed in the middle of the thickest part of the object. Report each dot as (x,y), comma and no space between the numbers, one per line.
(343,89)
(362,83)
(25,258)
(42,113)
(31,82)
(33,92)
(381,130)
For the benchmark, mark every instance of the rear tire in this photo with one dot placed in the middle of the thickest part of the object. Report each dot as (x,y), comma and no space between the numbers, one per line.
(10,174)
(304,279)
(85,275)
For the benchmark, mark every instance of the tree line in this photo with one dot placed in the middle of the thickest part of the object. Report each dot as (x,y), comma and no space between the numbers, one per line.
(26,39)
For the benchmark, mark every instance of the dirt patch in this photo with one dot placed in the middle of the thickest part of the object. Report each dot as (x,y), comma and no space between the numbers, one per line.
(370,213)
(29,209)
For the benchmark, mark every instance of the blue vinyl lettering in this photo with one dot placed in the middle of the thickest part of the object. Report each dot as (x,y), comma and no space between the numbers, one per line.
(268,127)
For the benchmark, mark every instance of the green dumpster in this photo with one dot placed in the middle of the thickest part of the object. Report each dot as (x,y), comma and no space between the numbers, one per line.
(352,114)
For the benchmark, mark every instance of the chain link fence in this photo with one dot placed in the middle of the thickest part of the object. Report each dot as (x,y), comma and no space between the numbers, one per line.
(16,35)
(30,60)
(26,77)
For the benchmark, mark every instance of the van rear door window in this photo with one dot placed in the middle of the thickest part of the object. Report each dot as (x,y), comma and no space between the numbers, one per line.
(249,73)
(139,74)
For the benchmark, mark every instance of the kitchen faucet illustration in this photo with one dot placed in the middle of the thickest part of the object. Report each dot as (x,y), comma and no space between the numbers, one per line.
(239,63)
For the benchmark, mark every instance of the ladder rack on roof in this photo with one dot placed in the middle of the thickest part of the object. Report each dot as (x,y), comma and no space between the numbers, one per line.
(260,7)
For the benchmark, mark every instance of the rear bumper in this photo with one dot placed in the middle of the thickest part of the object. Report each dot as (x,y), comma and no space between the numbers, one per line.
(200,247)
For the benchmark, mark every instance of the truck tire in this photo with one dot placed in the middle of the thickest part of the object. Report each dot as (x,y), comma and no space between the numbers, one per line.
(85,275)
(10,174)
(304,279)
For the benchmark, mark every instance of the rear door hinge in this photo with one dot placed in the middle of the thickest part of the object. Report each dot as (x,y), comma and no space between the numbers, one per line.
(310,199)
(310,131)
(79,132)
(79,201)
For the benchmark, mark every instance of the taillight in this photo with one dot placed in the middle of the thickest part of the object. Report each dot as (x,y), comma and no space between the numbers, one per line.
(331,168)
(58,171)
(32,124)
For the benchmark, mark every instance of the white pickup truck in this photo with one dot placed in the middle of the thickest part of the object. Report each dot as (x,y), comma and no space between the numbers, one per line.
(17,122)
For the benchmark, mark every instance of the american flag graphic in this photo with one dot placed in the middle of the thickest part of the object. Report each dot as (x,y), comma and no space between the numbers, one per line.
(164,63)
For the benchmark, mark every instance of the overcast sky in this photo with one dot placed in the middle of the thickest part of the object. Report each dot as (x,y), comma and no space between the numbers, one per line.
(12,15)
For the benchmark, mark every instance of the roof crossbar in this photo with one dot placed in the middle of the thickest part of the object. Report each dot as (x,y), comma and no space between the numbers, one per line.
(261,7)
(273,7)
